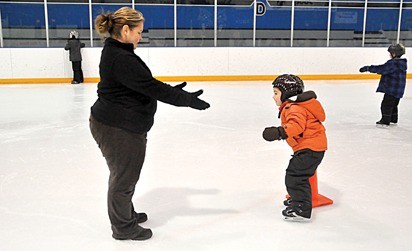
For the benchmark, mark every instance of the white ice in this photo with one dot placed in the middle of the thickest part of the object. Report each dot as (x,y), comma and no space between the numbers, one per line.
(210,182)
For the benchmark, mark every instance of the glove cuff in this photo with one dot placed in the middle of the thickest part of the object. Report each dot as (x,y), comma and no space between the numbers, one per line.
(282,133)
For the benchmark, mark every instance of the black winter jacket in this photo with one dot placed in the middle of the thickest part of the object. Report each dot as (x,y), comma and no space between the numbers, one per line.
(74,45)
(127,91)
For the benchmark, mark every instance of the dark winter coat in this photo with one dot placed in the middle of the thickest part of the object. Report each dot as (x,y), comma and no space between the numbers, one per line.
(393,79)
(73,45)
(127,91)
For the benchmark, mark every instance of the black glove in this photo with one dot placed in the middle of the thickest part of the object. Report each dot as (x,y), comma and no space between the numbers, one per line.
(180,86)
(274,133)
(363,69)
(196,102)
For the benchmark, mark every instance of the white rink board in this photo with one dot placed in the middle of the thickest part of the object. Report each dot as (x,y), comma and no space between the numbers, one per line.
(183,61)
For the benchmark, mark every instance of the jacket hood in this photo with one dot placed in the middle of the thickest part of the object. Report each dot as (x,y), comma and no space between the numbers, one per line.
(309,102)
(401,63)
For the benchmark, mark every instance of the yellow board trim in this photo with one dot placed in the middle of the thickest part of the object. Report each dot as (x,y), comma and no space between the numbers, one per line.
(201,78)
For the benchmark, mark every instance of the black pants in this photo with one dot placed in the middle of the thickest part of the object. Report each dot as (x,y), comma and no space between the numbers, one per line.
(124,152)
(77,71)
(301,167)
(389,109)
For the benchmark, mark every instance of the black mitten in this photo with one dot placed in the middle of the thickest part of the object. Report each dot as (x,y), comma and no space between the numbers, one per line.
(274,133)
(363,69)
(196,102)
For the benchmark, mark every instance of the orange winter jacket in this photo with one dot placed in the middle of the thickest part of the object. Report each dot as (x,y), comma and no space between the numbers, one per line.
(302,120)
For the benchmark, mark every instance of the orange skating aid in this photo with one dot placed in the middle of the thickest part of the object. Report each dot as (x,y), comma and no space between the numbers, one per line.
(317,199)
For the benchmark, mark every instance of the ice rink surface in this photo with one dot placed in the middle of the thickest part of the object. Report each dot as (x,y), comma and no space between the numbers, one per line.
(210,182)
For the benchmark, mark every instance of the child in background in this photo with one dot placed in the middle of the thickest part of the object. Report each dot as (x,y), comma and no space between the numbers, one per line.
(74,45)
(392,83)
(301,126)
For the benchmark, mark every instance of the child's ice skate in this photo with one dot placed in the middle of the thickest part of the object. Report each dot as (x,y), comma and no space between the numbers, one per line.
(394,120)
(290,214)
(381,124)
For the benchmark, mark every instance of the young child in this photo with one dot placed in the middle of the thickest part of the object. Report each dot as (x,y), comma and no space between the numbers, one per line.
(301,126)
(73,46)
(392,83)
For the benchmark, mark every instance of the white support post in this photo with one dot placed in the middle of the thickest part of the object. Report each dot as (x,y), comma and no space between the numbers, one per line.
(254,22)
(215,25)
(292,23)
(365,12)
(329,17)
(46,19)
(399,22)
(91,23)
(175,21)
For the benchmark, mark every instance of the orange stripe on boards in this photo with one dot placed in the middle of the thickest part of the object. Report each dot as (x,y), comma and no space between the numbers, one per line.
(201,78)
(35,80)
(43,80)
(267,77)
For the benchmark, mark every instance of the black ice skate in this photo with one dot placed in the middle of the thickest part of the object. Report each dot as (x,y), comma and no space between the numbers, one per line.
(140,235)
(290,214)
(394,119)
(381,124)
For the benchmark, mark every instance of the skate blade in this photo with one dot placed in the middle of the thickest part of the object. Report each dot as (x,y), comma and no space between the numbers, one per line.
(382,126)
(296,219)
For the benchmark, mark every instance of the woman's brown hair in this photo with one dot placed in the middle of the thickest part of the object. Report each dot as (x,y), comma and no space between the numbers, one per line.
(113,22)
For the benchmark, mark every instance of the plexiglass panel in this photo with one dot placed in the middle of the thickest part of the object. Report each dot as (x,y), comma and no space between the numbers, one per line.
(310,24)
(346,26)
(64,18)
(381,24)
(235,25)
(23,25)
(195,25)
(158,24)
(273,24)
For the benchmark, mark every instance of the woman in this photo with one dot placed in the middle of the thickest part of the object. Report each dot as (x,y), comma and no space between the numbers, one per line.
(124,113)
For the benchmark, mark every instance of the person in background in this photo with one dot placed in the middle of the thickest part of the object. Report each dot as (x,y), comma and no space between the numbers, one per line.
(124,113)
(301,117)
(73,46)
(392,83)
